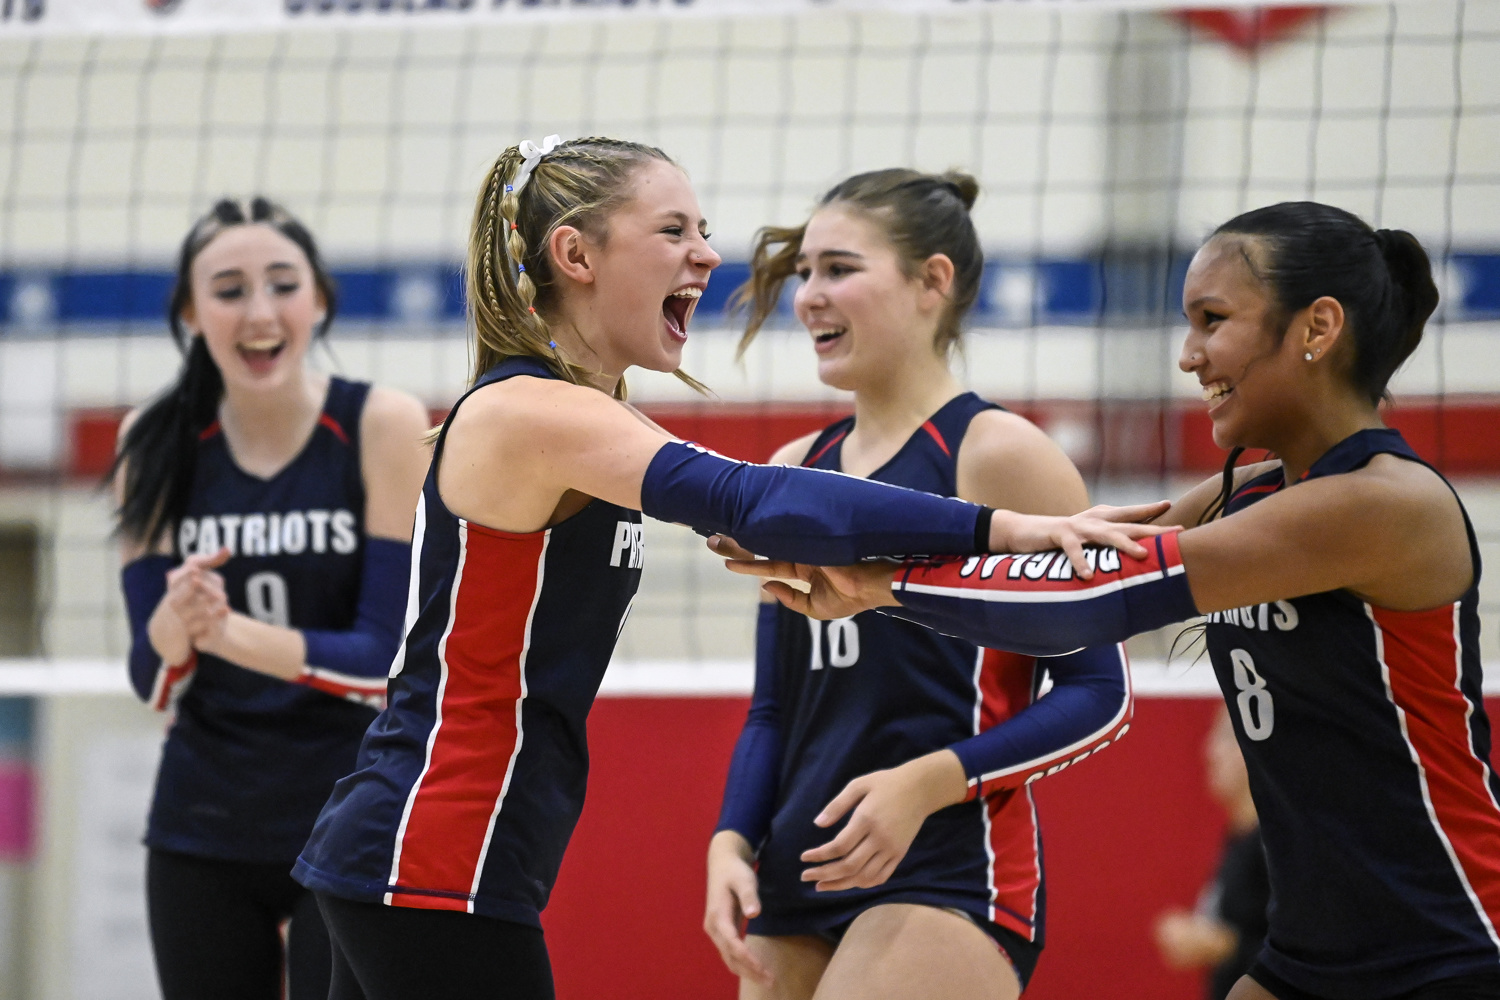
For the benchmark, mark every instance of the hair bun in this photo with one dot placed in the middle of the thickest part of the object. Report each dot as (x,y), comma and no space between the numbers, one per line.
(1411,276)
(962,184)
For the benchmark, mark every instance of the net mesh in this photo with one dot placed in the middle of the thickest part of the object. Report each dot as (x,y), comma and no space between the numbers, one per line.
(1107,142)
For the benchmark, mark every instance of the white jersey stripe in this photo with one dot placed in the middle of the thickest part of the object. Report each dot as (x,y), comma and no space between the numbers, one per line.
(437,723)
(510,767)
(413,586)
(984,807)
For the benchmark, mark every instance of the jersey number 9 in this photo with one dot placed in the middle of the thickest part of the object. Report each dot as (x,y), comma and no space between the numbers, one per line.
(266,598)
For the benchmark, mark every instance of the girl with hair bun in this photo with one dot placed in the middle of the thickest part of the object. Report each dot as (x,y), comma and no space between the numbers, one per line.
(1340,582)
(264,518)
(433,861)
(878,828)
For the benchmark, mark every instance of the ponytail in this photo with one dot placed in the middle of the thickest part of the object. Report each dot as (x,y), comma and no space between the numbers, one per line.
(1414,297)
(159,452)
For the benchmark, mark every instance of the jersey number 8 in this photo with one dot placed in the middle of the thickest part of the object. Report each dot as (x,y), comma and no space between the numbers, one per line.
(843,642)
(266,598)
(1257,712)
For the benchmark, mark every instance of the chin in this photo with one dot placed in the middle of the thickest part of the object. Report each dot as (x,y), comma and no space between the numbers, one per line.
(836,374)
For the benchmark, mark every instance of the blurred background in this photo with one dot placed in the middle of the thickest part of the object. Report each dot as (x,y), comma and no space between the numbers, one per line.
(1109,139)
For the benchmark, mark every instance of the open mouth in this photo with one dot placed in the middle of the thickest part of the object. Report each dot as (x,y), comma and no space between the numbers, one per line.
(825,337)
(261,354)
(677,309)
(1215,392)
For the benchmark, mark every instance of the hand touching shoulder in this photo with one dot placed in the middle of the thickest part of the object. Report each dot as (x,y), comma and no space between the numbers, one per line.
(393,460)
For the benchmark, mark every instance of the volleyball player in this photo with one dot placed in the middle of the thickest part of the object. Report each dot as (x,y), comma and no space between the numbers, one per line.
(433,860)
(1340,584)
(264,514)
(923,740)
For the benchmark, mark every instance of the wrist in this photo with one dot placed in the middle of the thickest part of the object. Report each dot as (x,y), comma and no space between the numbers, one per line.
(938,780)
(1002,530)
(731,843)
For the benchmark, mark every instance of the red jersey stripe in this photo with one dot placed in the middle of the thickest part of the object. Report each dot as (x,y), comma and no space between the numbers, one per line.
(1003,683)
(470,753)
(338,431)
(938,437)
(809,460)
(1420,654)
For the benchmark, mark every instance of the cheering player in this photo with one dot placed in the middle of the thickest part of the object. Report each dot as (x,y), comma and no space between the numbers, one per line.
(433,860)
(1340,584)
(924,741)
(265,512)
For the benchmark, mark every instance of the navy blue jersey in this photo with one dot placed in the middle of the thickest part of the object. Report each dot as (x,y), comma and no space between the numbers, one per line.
(469,784)
(250,759)
(860,694)
(1368,748)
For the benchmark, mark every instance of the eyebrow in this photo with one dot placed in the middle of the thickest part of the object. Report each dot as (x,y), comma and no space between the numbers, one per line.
(235,272)
(825,254)
(684,218)
(1204,300)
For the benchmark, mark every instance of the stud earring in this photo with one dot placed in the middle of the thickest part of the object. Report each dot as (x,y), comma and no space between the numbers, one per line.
(1307,356)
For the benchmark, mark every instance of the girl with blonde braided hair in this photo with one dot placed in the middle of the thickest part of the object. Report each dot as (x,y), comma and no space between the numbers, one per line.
(433,860)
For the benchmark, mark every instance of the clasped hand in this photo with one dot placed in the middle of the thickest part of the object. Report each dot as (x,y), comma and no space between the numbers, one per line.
(195,608)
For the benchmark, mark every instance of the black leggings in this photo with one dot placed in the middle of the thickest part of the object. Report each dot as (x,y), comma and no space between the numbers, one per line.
(1481,986)
(216,930)
(401,953)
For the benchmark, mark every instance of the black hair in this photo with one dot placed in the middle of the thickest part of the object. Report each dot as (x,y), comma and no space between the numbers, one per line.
(159,451)
(1381,277)
(921,214)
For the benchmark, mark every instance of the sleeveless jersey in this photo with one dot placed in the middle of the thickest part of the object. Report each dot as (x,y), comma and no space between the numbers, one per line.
(860,694)
(470,782)
(250,759)
(1368,749)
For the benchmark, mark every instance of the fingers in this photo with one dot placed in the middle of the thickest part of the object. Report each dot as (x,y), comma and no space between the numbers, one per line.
(729,548)
(789,596)
(1133,513)
(860,868)
(762,567)
(1074,550)
(845,800)
(726,907)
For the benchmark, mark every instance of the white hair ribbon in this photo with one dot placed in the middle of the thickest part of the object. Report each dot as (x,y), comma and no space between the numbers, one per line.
(532,154)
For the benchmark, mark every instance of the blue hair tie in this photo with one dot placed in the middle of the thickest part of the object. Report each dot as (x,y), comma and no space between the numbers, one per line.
(521,268)
(552,344)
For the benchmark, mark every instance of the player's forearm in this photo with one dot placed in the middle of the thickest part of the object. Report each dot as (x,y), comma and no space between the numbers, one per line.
(254,645)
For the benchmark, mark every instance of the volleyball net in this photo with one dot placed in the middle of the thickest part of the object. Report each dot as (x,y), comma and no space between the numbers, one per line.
(1108,138)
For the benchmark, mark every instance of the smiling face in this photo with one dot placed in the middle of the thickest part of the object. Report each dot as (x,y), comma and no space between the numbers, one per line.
(864,312)
(647,272)
(256,304)
(1249,367)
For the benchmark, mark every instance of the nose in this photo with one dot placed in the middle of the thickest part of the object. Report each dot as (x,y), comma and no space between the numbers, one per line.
(260,308)
(706,256)
(1191,358)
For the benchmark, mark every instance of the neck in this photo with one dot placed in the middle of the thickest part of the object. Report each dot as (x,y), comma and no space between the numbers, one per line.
(280,417)
(574,348)
(1314,433)
(912,391)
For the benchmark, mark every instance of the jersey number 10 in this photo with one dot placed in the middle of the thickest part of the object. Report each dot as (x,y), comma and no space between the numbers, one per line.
(843,642)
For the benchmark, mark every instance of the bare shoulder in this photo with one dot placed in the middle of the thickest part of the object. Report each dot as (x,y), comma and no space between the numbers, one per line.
(1007,461)
(1188,509)
(392,413)
(794,452)
(521,404)
(1409,487)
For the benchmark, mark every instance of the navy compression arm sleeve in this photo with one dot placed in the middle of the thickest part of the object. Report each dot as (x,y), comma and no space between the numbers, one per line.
(158,684)
(354,663)
(1087,709)
(806,515)
(1034,604)
(755,768)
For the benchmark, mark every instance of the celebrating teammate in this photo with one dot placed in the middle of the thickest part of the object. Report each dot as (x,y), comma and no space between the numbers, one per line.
(264,512)
(1341,585)
(924,742)
(434,859)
